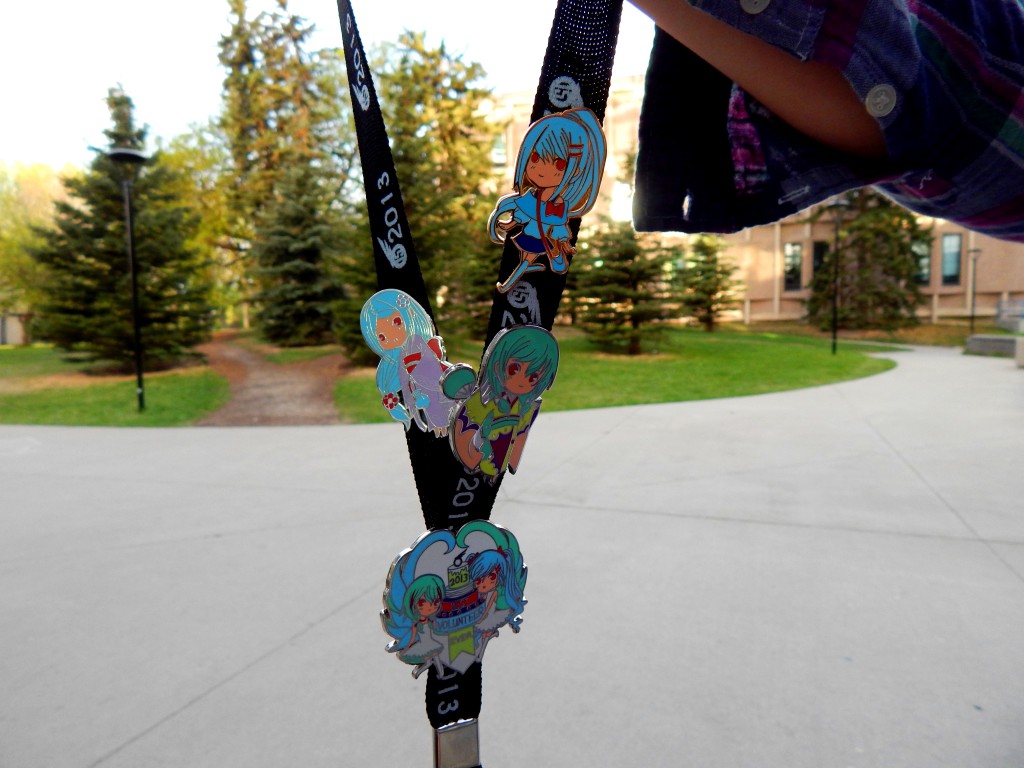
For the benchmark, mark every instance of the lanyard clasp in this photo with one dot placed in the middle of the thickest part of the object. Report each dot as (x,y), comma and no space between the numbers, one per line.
(457,745)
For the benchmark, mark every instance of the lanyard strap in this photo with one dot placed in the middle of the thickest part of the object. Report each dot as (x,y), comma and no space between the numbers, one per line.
(576,73)
(449,495)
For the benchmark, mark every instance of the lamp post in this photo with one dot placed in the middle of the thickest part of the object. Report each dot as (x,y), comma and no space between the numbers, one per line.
(973,253)
(837,208)
(129,160)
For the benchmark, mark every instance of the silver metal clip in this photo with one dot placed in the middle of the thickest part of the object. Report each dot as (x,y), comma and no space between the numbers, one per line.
(457,745)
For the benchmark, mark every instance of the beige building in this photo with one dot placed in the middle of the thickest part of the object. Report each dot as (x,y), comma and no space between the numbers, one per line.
(776,262)
(11,330)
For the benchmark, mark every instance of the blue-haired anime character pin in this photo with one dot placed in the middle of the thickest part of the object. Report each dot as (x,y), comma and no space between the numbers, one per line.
(489,428)
(448,595)
(557,177)
(412,360)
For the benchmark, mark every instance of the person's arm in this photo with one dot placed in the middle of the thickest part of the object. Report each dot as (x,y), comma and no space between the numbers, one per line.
(812,97)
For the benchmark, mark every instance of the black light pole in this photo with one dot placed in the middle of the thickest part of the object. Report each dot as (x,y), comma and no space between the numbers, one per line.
(129,160)
(837,208)
(974,274)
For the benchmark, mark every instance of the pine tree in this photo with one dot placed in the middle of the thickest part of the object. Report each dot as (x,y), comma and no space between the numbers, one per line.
(291,247)
(353,263)
(86,305)
(875,283)
(278,99)
(441,146)
(624,291)
(245,121)
(707,281)
(282,105)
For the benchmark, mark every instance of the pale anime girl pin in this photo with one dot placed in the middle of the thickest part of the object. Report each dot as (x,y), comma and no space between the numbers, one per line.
(448,595)
(489,427)
(412,360)
(557,177)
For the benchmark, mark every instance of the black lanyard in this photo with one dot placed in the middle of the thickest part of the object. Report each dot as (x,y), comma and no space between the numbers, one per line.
(576,73)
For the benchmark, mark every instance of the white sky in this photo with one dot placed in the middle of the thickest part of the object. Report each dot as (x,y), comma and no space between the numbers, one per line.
(59,57)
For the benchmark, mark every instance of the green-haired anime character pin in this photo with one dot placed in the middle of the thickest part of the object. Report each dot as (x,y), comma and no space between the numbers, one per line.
(557,177)
(489,429)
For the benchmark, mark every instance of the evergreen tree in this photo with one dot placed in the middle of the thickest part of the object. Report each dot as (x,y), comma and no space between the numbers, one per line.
(442,145)
(353,263)
(877,267)
(279,99)
(296,304)
(282,106)
(246,120)
(86,305)
(707,281)
(624,290)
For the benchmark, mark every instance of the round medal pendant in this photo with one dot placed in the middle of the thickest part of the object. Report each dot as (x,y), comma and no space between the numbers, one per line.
(447,596)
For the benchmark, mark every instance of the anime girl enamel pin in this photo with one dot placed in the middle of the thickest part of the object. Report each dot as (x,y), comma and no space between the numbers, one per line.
(412,360)
(557,177)
(448,596)
(489,428)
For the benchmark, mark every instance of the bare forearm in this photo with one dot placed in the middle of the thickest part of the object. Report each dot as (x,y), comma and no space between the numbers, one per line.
(812,97)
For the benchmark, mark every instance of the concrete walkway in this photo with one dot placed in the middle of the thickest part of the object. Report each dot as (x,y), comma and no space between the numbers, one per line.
(826,578)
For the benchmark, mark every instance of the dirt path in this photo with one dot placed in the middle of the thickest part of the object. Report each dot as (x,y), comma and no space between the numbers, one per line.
(264,393)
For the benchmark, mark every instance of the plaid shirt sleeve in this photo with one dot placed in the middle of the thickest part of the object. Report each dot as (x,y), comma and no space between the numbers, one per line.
(943,78)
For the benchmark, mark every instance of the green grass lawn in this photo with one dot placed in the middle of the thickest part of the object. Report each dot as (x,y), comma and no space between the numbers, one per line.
(173,398)
(946,334)
(690,365)
(35,360)
(287,355)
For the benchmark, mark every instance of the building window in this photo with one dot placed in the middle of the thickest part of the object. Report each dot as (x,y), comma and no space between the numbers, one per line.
(821,249)
(951,246)
(923,255)
(793,265)
(499,150)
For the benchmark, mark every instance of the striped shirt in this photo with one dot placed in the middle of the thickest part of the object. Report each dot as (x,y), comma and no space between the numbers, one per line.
(943,78)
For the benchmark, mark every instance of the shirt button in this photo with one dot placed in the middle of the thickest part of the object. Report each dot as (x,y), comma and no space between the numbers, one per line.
(754,6)
(881,100)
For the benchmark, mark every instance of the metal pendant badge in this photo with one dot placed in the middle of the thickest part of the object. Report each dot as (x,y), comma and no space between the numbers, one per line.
(489,427)
(412,360)
(557,177)
(448,595)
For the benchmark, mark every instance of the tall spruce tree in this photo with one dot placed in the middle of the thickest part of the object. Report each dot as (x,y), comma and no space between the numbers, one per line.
(86,306)
(707,281)
(279,98)
(875,282)
(442,148)
(291,247)
(246,120)
(353,263)
(283,105)
(623,287)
